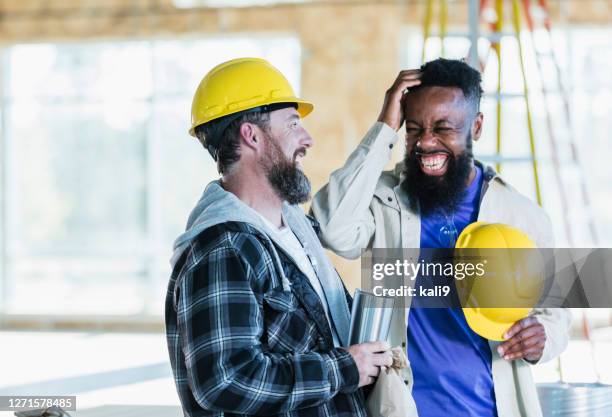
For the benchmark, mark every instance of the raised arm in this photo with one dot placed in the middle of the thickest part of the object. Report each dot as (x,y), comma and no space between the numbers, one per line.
(342,206)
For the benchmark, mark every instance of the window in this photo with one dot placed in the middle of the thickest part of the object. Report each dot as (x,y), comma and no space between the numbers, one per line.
(99,171)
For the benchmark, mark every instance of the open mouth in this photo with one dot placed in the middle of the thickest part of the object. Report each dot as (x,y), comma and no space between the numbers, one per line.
(298,158)
(433,163)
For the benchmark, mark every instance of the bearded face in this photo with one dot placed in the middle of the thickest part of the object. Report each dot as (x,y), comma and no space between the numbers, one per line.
(436,192)
(441,126)
(285,173)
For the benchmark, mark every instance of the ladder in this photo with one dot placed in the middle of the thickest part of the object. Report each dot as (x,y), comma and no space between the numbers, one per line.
(547,53)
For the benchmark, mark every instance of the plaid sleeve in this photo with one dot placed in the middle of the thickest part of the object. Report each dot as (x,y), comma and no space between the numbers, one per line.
(221,324)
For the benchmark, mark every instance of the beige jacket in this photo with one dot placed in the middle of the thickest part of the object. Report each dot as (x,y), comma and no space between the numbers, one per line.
(364,207)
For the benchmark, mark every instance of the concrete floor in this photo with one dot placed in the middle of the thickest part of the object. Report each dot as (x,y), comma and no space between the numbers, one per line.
(123,375)
(111,374)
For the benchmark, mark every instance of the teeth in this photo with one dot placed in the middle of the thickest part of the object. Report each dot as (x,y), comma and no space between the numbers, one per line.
(433,163)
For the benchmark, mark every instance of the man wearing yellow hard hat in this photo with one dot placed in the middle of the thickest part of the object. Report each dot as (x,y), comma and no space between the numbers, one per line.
(426,202)
(257,318)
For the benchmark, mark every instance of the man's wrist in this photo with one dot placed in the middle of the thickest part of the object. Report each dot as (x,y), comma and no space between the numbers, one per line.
(342,370)
(533,361)
(389,123)
(382,136)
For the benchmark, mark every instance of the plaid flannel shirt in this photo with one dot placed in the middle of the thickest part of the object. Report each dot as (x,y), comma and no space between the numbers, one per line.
(241,343)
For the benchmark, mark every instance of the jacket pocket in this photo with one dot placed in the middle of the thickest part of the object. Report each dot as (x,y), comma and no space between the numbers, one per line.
(287,326)
(387,198)
(280,300)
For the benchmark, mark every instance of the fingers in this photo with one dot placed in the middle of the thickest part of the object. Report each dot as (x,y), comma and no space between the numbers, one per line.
(533,355)
(368,375)
(383,359)
(391,112)
(520,336)
(522,340)
(375,347)
(527,340)
(528,346)
(520,325)
(521,331)
(379,360)
(408,75)
(412,74)
(405,79)
(373,371)
(369,358)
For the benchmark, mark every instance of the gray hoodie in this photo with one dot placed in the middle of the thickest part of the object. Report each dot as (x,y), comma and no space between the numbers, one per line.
(219,206)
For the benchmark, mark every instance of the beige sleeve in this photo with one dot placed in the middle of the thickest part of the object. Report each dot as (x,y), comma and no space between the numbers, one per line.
(556,321)
(342,206)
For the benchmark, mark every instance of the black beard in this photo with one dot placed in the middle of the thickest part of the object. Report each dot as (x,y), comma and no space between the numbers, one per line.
(288,181)
(436,193)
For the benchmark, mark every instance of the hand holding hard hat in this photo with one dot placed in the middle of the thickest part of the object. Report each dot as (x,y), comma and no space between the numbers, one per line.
(518,281)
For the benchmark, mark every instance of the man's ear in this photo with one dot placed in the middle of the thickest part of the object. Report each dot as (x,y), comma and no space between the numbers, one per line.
(250,136)
(477,126)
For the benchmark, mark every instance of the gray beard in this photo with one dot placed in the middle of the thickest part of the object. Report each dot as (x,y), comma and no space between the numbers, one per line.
(287,180)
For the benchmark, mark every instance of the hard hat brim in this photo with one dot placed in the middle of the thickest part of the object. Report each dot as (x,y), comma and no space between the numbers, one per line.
(304,108)
(488,328)
(491,323)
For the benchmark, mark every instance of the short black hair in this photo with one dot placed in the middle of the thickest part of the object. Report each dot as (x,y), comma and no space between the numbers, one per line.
(228,151)
(453,73)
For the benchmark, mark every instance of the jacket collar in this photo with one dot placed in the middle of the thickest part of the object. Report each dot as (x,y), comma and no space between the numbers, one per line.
(488,172)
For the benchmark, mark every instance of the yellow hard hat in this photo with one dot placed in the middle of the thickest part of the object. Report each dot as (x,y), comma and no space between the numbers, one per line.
(519,279)
(238,85)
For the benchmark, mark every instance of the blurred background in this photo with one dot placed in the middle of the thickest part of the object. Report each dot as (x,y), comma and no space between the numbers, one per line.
(98,173)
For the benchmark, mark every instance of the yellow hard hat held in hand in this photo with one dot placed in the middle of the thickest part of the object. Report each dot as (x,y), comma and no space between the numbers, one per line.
(513,282)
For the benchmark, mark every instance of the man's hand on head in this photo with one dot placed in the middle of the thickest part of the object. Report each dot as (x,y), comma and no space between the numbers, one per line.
(524,340)
(392,113)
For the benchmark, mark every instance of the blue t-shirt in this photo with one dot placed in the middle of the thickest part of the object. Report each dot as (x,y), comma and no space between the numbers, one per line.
(450,363)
